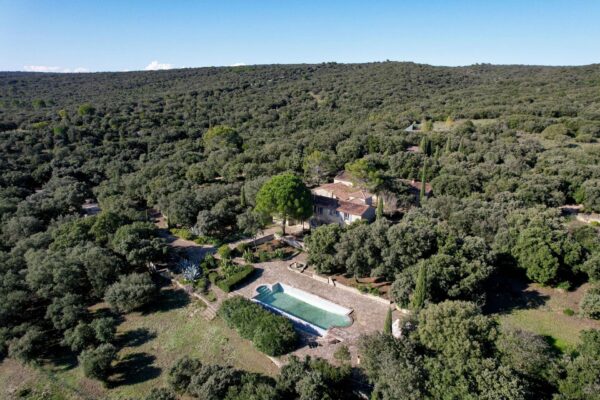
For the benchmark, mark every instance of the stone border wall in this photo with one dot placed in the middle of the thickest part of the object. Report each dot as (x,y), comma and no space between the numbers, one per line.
(332,282)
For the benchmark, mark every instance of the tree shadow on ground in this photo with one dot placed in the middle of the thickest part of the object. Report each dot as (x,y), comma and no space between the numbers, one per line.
(168,299)
(134,368)
(135,337)
(510,293)
(62,359)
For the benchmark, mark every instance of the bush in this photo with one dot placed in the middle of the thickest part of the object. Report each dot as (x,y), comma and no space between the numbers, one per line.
(183,233)
(29,346)
(161,394)
(590,304)
(104,329)
(249,256)
(181,373)
(201,285)
(241,248)
(263,256)
(272,334)
(213,276)
(229,283)
(96,362)
(568,312)
(202,240)
(555,132)
(342,354)
(210,296)
(80,337)
(225,252)
(131,292)
(209,262)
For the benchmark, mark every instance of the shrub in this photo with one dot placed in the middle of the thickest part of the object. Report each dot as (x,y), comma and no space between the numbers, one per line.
(202,240)
(241,248)
(569,312)
(96,362)
(131,292)
(342,353)
(209,262)
(210,296)
(229,283)
(249,256)
(181,373)
(213,276)
(225,252)
(278,254)
(190,270)
(29,346)
(80,337)
(263,256)
(183,233)
(104,329)
(201,285)
(160,394)
(272,334)
(590,304)
(555,132)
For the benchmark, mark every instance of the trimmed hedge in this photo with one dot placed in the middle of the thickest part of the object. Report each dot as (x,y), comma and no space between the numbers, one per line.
(227,284)
(272,334)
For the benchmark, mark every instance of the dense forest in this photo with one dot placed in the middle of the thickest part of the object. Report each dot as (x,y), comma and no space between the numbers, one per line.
(503,147)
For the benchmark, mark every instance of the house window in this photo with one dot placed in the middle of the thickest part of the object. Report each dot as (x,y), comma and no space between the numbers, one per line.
(330,211)
(346,216)
(320,210)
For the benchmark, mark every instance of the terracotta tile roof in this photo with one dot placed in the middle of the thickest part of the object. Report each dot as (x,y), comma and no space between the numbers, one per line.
(353,208)
(343,192)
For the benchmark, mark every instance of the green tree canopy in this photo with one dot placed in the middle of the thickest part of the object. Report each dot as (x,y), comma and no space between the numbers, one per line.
(285,196)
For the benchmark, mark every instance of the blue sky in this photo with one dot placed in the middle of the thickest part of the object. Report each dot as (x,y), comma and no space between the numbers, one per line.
(107,35)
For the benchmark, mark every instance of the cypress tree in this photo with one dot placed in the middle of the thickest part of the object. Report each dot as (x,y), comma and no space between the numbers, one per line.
(423,144)
(460,146)
(423,181)
(448,146)
(243,202)
(418,300)
(387,328)
(379,210)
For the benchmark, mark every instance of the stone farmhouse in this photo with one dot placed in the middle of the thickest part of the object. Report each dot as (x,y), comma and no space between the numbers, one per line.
(342,202)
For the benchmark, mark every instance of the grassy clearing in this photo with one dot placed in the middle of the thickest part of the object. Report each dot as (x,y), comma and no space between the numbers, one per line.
(150,343)
(561,330)
(546,315)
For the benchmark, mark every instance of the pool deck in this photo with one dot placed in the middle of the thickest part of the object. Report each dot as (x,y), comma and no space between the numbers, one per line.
(368,315)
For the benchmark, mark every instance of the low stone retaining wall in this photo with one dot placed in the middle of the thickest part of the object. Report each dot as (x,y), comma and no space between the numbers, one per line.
(261,240)
(332,282)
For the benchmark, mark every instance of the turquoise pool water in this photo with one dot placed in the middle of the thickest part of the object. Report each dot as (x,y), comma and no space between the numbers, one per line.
(277,298)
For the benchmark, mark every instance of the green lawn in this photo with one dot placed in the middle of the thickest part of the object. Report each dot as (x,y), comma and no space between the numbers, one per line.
(151,342)
(548,318)
(561,330)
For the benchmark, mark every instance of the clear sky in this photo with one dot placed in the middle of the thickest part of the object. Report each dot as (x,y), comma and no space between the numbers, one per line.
(117,35)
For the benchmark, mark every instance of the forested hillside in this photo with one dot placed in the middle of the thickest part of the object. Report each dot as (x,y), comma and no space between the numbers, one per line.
(503,147)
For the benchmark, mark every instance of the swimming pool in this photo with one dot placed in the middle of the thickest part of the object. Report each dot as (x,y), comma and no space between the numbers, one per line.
(303,308)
